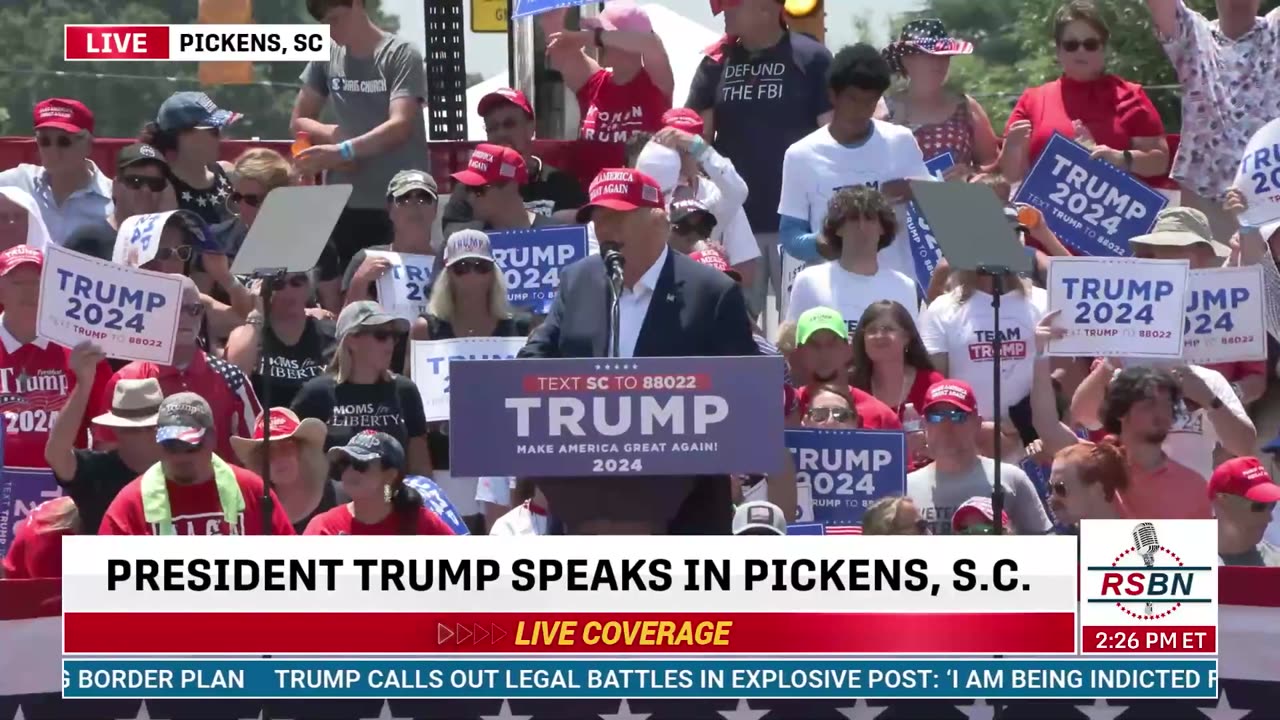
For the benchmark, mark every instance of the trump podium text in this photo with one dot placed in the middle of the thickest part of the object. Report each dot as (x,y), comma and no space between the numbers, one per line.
(667,618)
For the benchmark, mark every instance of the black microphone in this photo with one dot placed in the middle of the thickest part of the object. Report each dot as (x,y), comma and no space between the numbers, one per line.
(613,262)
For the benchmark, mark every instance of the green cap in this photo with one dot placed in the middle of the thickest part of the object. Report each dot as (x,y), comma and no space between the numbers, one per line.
(819,318)
(408,180)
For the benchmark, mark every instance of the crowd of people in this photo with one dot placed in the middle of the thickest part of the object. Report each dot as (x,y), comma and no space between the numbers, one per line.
(783,149)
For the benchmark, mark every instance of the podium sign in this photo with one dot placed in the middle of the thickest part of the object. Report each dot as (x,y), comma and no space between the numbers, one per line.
(604,416)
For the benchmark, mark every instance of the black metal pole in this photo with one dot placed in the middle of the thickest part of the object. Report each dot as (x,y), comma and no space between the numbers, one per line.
(264,363)
(511,45)
(997,488)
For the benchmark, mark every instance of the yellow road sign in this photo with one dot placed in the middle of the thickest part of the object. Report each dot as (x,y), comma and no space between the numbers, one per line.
(489,16)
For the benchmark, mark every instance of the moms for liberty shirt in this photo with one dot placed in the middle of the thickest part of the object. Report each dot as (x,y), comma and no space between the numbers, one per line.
(391,406)
(817,166)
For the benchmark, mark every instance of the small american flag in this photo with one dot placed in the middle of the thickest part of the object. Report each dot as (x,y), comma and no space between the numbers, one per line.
(843,530)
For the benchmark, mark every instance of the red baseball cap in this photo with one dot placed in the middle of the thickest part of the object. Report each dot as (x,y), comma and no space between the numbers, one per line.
(19,255)
(504,95)
(1244,477)
(62,114)
(493,164)
(714,259)
(976,510)
(951,392)
(622,189)
(683,119)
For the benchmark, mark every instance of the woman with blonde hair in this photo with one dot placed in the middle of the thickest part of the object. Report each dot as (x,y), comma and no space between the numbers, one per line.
(36,548)
(958,330)
(896,515)
(299,469)
(360,390)
(469,299)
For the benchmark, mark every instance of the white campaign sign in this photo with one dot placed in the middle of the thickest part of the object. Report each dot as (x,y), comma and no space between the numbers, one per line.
(1259,176)
(1224,320)
(131,314)
(139,239)
(402,290)
(1118,306)
(430,363)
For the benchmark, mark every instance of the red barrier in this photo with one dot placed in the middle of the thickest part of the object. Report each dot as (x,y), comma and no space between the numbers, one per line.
(579,158)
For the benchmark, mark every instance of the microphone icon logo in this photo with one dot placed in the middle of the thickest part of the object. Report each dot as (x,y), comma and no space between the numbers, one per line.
(1146,543)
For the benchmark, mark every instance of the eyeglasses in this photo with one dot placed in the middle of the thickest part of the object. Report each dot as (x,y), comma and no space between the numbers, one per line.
(177,447)
(252,201)
(137,182)
(379,335)
(415,197)
(822,414)
(1059,488)
(1090,45)
(466,267)
(62,141)
(1262,507)
(936,417)
(293,281)
(183,253)
(875,330)
(195,309)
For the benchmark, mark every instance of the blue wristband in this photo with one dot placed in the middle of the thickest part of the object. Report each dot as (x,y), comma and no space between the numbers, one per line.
(346,151)
(698,147)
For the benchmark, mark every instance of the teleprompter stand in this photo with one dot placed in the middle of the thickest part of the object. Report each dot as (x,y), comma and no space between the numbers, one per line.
(290,232)
(974,234)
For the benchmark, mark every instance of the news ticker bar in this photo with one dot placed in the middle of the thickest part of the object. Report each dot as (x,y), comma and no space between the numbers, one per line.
(1041,679)
(423,633)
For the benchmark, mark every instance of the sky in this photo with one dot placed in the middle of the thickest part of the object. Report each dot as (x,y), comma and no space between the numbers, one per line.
(487,53)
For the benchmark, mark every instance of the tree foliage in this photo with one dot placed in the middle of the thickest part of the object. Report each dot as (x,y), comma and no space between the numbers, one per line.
(125,95)
(1014,48)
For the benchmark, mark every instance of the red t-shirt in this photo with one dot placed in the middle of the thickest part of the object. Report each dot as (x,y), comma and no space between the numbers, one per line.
(1114,110)
(613,113)
(1237,371)
(227,390)
(35,380)
(340,521)
(872,414)
(36,551)
(196,510)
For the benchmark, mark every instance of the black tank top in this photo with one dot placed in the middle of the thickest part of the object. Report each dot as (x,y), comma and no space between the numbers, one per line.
(209,203)
(518,325)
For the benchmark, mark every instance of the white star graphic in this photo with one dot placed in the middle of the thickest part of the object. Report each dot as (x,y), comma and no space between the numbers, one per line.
(1100,710)
(504,713)
(186,195)
(143,713)
(979,710)
(1223,710)
(385,714)
(222,193)
(19,715)
(202,200)
(861,711)
(743,712)
(624,713)
(259,716)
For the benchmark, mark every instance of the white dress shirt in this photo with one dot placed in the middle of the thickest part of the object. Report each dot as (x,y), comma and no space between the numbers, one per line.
(633,306)
(89,205)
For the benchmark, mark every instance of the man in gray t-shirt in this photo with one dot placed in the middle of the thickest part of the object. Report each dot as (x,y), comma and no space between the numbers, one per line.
(375,83)
(958,472)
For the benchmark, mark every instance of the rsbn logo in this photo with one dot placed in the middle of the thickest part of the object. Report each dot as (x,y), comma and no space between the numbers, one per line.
(1149,581)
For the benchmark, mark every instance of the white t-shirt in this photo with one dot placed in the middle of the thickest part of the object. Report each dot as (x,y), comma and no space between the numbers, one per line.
(521,520)
(816,166)
(963,332)
(830,285)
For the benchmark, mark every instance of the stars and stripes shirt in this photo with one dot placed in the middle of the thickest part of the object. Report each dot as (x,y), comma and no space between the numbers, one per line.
(223,385)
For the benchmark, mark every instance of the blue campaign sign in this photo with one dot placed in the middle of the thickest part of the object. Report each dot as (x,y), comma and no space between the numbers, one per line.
(436,501)
(537,7)
(841,473)
(531,261)
(924,245)
(806,529)
(1091,205)
(601,417)
(21,490)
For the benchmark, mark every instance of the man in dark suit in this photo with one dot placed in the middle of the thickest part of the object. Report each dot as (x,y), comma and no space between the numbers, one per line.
(670,306)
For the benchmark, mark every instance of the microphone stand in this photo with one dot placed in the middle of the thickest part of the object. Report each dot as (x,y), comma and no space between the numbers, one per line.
(269,278)
(614,273)
(997,274)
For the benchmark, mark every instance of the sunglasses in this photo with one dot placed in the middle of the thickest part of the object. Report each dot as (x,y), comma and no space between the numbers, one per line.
(62,141)
(379,335)
(1262,507)
(978,529)
(193,309)
(822,414)
(293,281)
(466,267)
(177,447)
(182,253)
(921,527)
(1058,488)
(937,416)
(359,466)
(416,197)
(137,182)
(1090,45)
(252,201)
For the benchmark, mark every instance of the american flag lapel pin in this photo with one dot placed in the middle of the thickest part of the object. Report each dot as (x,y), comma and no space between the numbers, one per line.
(671,297)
